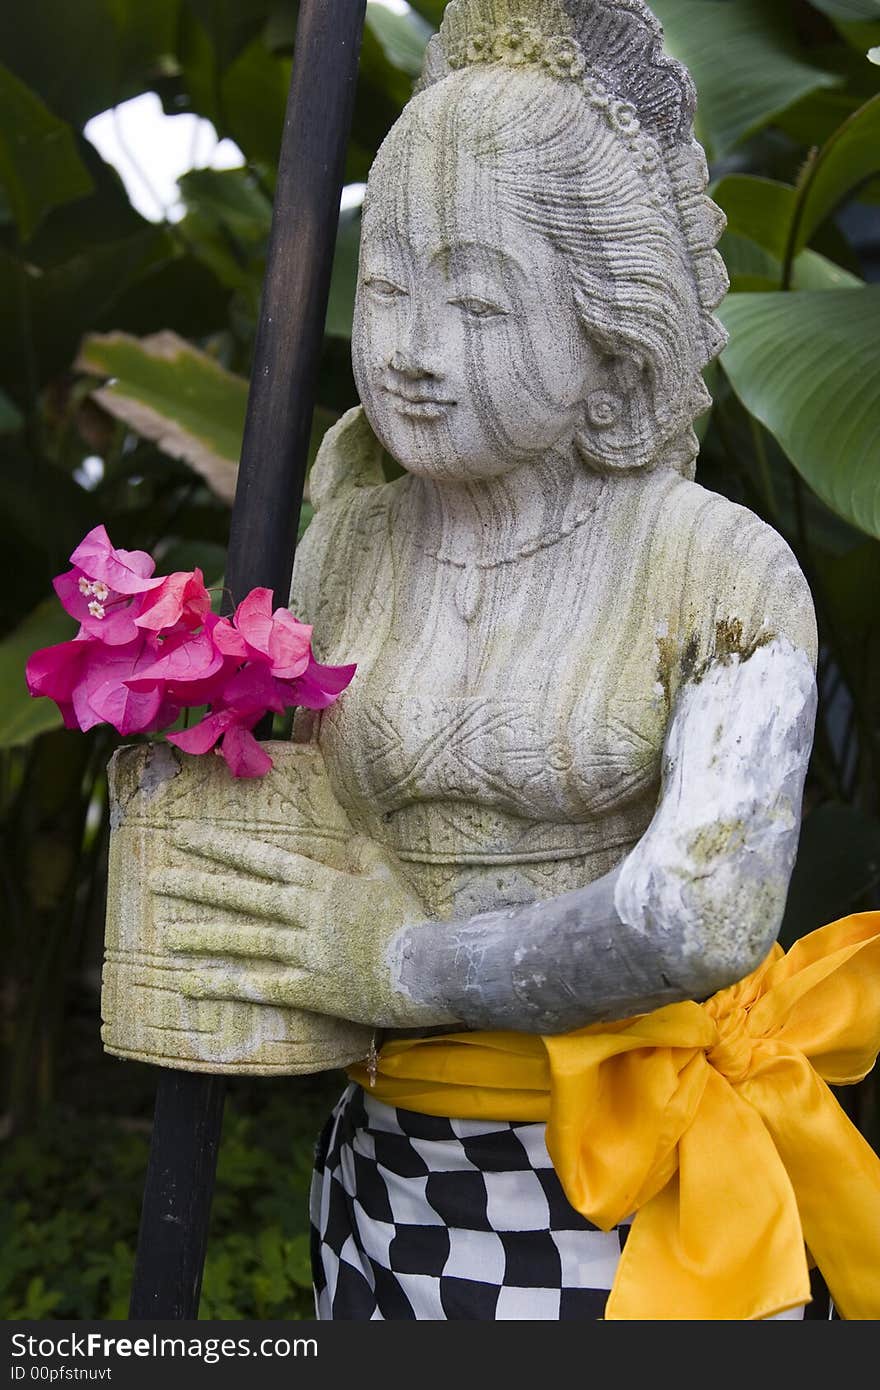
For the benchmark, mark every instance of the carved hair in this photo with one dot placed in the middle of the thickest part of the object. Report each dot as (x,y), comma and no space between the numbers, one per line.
(603,64)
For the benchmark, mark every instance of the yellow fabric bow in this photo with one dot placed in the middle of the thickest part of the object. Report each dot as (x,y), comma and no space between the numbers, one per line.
(712,1122)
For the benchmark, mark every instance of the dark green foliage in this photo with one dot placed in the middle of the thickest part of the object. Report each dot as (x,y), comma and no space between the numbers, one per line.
(70,1192)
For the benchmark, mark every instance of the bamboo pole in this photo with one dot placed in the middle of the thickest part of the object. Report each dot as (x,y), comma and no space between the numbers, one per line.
(189,1107)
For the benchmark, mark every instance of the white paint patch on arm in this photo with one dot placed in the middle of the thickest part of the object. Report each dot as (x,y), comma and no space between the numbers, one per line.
(714,865)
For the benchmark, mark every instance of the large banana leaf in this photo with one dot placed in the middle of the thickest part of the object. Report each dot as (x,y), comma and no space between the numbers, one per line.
(745,63)
(172,393)
(851,156)
(752,268)
(39,164)
(758,208)
(807,366)
(849,9)
(168,391)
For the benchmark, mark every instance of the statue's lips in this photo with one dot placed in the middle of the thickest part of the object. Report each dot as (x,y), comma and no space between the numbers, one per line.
(419,407)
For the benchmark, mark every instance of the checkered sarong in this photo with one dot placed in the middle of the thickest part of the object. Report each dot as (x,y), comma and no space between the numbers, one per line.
(432,1219)
(417,1217)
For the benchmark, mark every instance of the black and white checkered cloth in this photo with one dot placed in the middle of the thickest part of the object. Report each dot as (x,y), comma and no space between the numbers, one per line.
(416,1217)
(433,1219)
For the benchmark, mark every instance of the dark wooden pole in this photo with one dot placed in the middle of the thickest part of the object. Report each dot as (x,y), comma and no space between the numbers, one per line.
(189,1106)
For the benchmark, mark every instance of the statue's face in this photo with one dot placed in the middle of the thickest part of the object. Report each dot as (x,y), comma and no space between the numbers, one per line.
(468,355)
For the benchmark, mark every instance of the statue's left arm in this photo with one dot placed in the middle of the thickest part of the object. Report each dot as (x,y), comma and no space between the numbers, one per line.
(694,907)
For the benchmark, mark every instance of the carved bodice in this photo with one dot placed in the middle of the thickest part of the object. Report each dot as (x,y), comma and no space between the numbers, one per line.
(504,732)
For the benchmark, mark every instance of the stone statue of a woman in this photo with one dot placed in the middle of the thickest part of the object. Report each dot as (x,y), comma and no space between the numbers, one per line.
(576,743)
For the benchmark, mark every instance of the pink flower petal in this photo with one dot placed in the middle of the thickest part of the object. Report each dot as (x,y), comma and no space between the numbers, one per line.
(321,685)
(127,571)
(244,756)
(102,695)
(253,619)
(290,646)
(193,659)
(254,690)
(116,627)
(181,597)
(202,737)
(226,639)
(129,711)
(54,671)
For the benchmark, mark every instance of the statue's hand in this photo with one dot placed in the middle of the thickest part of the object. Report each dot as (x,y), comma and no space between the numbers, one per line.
(288,930)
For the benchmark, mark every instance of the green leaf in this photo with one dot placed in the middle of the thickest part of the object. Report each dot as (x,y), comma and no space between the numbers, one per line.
(230,24)
(851,156)
(50,309)
(752,268)
(848,9)
(404,37)
(86,56)
(11,418)
(181,398)
(39,164)
(172,393)
(22,718)
(745,62)
(807,366)
(340,307)
(758,208)
(431,10)
(253,102)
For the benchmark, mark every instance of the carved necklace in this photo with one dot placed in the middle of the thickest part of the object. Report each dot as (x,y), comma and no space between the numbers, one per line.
(470,588)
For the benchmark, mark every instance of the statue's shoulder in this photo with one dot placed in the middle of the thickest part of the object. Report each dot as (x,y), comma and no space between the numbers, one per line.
(352,503)
(730,563)
(349,461)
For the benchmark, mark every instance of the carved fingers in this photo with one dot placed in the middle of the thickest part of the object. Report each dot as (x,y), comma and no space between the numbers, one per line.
(252,856)
(272,902)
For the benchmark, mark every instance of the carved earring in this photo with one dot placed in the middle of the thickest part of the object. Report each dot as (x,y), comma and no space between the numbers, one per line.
(603,409)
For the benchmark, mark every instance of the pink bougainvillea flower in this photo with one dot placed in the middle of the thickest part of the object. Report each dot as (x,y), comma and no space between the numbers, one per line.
(55,672)
(227,640)
(278,639)
(202,737)
(103,696)
(181,663)
(244,756)
(148,647)
(126,571)
(102,612)
(104,590)
(254,690)
(181,598)
(231,730)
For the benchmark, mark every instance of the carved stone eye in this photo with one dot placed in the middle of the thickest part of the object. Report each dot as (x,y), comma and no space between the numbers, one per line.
(383,289)
(479,308)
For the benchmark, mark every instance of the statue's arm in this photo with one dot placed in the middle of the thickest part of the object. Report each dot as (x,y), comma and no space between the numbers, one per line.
(693,908)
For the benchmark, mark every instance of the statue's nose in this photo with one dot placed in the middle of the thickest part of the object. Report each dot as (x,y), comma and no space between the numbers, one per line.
(408,363)
(417,350)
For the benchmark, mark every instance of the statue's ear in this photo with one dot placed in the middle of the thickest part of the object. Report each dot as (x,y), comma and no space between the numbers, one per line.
(620,428)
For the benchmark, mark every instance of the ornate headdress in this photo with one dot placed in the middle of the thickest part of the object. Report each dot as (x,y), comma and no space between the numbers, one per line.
(613,49)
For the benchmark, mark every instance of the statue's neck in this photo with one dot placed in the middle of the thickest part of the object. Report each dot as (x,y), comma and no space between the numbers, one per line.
(494,520)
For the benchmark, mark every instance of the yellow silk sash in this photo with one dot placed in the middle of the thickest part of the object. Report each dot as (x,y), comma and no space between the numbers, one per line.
(712,1122)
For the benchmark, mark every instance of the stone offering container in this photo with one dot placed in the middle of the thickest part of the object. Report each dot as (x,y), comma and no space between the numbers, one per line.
(158,798)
